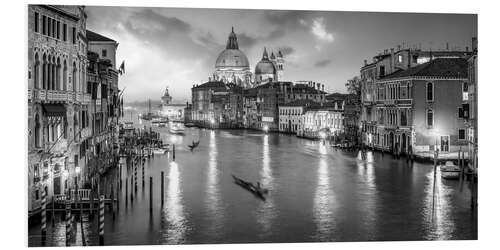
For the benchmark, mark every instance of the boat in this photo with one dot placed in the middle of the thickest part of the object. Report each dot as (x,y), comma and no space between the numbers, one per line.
(176,129)
(160,150)
(189,125)
(450,171)
(257,190)
(159,121)
(194,145)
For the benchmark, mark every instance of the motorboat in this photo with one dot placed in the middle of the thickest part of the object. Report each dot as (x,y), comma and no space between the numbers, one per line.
(257,190)
(160,150)
(176,129)
(159,121)
(450,171)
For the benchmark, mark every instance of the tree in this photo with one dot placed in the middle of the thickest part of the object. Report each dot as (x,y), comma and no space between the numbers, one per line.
(354,86)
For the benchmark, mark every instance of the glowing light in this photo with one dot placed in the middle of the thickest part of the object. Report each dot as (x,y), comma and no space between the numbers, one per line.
(65,174)
(212,121)
(77,170)
(266,128)
(322,135)
(173,164)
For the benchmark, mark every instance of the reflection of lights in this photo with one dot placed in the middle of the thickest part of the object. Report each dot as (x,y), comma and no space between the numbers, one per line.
(266,128)
(266,211)
(173,164)
(322,149)
(174,211)
(323,200)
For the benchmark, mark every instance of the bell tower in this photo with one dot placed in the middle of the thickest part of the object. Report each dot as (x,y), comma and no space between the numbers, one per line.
(279,65)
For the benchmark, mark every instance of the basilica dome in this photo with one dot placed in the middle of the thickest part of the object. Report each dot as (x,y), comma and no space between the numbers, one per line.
(265,67)
(232,57)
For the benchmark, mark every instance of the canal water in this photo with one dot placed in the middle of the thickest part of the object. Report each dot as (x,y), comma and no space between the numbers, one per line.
(316,193)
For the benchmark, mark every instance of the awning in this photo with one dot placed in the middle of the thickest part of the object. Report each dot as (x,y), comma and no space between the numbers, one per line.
(55,110)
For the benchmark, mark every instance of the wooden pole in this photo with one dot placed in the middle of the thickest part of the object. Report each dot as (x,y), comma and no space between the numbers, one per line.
(44,216)
(162,186)
(101,221)
(173,152)
(142,175)
(68,222)
(53,211)
(135,178)
(131,188)
(150,194)
(126,191)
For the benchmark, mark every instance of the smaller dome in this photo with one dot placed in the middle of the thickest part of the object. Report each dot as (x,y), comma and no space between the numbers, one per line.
(265,67)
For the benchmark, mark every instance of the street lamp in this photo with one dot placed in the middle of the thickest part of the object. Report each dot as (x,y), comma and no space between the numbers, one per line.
(266,128)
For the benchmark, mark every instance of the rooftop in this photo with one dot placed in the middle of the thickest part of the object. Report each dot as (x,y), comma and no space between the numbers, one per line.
(92,36)
(440,67)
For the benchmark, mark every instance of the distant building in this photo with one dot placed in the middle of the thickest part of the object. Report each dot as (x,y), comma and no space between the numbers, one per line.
(323,121)
(172,111)
(290,115)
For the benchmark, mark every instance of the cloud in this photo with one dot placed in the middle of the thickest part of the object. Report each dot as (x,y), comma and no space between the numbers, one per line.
(318,28)
(246,41)
(287,50)
(322,63)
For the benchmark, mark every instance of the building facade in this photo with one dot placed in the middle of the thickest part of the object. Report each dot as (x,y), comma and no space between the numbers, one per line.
(290,115)
(73,102)
(324,121)
(420,109)
(57,102)
(385,104)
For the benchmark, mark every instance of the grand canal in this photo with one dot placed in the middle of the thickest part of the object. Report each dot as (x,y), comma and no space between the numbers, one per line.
(317,193)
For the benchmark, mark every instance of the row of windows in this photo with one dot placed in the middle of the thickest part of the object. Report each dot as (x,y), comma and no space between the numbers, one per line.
(53,28)
(290,112)
(394,91)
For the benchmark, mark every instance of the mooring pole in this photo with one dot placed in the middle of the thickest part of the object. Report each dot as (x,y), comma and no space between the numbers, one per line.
(44,216)
(126,191)
(68,222)
(135,177)
(161,190)
(173,152)
(150,194)
(143,176)
(131,188)
(101,221)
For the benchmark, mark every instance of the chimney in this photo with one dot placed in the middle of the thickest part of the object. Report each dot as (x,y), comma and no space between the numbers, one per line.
(323,87)
(466,48)
(399,47)
(366,62)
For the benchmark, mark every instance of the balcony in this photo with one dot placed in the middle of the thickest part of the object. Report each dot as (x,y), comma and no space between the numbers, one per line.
(404,101)
(49,95)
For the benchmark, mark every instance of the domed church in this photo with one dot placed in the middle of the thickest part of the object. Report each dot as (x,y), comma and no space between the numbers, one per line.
(232,66)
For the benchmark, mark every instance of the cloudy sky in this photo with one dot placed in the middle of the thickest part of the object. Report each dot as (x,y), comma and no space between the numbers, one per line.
(178,47)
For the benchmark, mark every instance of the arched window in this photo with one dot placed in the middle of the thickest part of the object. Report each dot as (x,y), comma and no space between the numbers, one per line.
(58,75)
(65,128)
(430,91)
(74,76)
(65,76)
(37,131)
(75,126)
(36,72)
(53,73)
(430,118)
(44,72)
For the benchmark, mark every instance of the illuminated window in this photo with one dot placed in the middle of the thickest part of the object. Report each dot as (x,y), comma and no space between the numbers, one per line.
(400,58)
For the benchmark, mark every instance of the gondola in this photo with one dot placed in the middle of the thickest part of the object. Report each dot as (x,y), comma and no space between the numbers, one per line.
(257,190)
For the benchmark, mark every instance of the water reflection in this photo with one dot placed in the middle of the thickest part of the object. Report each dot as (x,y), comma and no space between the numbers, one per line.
(368,193)
(213,194)
(266,211)
(437,208)
(173,218)
(323,199)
